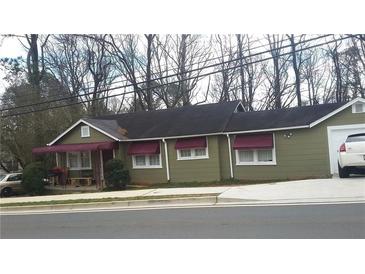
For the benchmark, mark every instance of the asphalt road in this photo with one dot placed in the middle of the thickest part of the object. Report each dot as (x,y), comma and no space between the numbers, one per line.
(293,221)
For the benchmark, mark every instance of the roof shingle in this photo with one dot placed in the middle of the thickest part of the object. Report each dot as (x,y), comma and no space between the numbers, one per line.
(206,119)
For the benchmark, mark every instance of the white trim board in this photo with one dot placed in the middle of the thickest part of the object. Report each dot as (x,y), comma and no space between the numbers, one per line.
(76,124)
(329,115)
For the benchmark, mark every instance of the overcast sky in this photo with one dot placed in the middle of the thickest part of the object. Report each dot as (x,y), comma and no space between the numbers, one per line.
(9,47)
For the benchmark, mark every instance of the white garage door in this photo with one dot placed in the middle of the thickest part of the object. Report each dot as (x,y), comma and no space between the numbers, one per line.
(336,136)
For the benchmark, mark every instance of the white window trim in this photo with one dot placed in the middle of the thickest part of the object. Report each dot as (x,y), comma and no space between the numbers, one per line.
(193,157)
(78,161)
(354,107)
(147,166)
(82,131)
(255,157)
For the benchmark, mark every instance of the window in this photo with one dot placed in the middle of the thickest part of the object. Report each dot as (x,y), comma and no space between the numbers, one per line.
(192,154)
(79,160)
(358,108)
(264,155)
(256,157)
(147,161)
(13,178)
(245,155)
(73,161)
(85,131)
(154,160)
(356,138)
(140,160)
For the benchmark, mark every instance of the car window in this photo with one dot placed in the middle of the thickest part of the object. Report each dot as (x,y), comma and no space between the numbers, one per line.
(2,177)
(17,177)
(356,138)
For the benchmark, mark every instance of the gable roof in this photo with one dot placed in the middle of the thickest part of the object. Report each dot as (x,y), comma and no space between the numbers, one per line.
(208,119)
(188,120)
(279,118)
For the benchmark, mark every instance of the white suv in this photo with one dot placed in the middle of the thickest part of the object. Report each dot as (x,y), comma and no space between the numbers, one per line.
(351,155)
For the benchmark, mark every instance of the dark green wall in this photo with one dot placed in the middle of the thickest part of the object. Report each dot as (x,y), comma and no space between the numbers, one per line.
(304,155)
(74,136)
(202,170)
(143,176)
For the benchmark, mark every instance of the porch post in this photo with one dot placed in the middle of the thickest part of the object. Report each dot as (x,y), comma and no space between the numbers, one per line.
(57,160)
(101,168)
(113,153)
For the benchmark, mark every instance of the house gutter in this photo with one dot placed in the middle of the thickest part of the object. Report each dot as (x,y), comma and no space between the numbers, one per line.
(230,156)
(167,160)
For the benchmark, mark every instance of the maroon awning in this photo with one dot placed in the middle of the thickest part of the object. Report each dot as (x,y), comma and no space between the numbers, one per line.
(75,147)
(253,141)
(143,148)
(196,142)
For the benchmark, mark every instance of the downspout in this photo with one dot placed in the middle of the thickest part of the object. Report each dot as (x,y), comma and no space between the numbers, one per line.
(167,160)
(230,155)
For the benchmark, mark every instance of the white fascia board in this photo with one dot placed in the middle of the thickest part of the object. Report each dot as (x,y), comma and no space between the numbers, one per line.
(329,115)
(172,137)
(239,104)
(266,130)
(100,130)
(64,133)
(211,134)
(76,124)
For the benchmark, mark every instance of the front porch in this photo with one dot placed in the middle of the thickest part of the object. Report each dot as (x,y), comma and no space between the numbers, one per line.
(79,167)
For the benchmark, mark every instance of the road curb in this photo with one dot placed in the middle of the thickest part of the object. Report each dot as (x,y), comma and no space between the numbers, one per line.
(236,201)
(207,200)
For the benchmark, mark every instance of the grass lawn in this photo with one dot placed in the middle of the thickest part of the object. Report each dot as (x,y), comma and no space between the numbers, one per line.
(99,200)
(204,184)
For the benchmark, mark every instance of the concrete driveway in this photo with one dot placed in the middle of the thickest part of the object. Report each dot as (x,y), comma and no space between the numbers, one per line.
(313,190)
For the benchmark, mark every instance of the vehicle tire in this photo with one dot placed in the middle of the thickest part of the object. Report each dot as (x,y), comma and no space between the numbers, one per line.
(343,172)
(6,192)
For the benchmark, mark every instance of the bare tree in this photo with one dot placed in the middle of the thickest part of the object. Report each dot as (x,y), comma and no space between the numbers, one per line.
(297,62)
(251,72)
(277,75)
(224,81)
(83,65)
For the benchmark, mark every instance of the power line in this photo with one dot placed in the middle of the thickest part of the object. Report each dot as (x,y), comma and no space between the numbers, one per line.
(200,76)
(164,77)
(29,94)
(177,81)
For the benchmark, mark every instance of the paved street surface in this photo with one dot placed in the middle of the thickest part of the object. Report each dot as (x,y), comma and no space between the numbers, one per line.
(289,221)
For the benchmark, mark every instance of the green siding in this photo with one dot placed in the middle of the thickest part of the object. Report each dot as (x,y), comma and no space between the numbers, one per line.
(224,157)
(201,170)
(143,176)
(74,136)
(304,155)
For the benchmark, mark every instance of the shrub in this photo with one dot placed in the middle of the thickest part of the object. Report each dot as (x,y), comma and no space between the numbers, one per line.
(116,176)
(33,175)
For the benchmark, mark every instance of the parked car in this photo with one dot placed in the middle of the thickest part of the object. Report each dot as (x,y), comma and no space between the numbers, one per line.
(351,155)
(10,183)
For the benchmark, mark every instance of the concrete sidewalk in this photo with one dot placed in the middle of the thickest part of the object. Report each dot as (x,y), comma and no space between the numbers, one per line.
(352,189)
(119,194)
(315,190)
